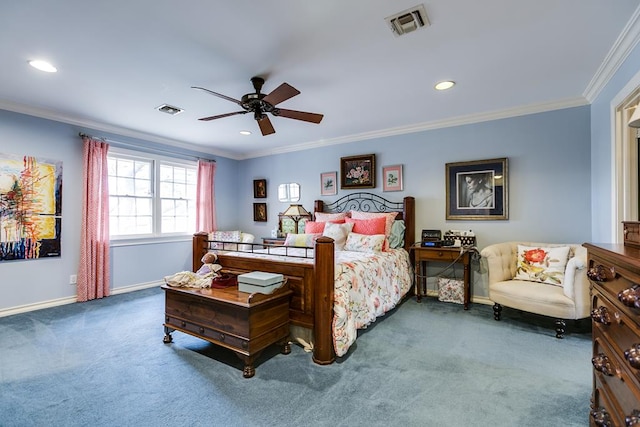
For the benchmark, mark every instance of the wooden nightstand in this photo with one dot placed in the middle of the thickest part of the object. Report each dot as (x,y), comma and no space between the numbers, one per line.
(422,255)
(277,241)
(244,323)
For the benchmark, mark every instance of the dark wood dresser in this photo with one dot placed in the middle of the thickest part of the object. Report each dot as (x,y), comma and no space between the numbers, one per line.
(614,272)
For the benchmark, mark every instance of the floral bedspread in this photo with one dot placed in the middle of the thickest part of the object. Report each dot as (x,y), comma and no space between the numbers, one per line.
(367,286)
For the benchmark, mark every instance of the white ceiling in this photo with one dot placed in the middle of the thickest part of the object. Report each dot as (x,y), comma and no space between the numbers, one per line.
(118,60)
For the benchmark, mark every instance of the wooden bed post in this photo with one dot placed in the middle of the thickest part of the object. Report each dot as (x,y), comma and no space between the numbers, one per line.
(323,352)
(409,211)
(199,249)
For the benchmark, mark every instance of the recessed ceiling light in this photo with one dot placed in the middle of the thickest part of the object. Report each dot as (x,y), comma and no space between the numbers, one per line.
(245,132)
(447,84)
(43,66)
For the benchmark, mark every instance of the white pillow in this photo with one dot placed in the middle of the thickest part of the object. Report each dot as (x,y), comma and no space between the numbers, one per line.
(540,264)
(364,242)
(338,232)
(326,216)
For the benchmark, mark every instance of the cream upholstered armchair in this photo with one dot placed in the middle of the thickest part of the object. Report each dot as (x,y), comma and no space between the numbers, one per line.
(541,278)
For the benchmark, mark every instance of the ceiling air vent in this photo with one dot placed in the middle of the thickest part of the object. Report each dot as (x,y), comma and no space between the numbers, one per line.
(408,20)
(169,109)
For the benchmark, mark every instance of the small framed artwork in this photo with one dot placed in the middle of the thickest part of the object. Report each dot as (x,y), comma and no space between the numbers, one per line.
(358,171)
(328,183)
(392,178)
(260,212)
(478,190)
(259,188)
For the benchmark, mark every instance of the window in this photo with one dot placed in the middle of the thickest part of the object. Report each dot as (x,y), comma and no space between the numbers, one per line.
(150,196)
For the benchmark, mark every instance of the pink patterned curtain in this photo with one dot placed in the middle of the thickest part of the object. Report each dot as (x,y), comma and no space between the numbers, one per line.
(205,205)
(93,273)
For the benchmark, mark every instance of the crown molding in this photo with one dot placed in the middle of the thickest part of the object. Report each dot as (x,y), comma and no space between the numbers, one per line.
(438,124)
(102,127)
(624,44)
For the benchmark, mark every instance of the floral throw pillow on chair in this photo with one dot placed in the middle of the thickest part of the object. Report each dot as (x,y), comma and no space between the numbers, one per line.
(540,264)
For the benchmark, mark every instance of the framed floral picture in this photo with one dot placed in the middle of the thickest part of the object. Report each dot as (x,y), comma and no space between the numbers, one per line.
(358,171)
(260,212)
(478,190)
(392,178)
(328,183)
(259,188)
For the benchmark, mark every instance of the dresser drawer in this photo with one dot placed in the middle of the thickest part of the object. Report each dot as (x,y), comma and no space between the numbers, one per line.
(614,377)
(621,334)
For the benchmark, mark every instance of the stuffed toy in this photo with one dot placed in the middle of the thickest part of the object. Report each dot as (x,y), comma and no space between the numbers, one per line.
(201,278)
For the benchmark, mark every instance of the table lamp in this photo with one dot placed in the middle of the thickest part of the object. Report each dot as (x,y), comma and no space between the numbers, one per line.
(296,212)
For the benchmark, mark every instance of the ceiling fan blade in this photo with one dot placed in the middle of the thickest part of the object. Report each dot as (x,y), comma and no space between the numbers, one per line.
(228,98)
(281,93)
(265,126)
(219,116)
(298,115)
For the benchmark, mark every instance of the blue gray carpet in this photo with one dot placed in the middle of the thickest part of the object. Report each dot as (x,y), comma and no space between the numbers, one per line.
(103,363)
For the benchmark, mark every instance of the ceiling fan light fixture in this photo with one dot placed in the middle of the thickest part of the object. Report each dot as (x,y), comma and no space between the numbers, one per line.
(444,85)
(43,66)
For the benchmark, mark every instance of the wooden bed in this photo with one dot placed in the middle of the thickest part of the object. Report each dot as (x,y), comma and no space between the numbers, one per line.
(313,284)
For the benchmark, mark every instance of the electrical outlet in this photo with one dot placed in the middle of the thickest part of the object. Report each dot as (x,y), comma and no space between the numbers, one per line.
(73,279)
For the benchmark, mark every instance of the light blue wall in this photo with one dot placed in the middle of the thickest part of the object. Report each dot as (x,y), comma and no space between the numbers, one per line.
(549,175)
(549,191)
(44,281)
(602,154)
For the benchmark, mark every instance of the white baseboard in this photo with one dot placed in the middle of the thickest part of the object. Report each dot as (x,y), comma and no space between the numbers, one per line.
(70,300)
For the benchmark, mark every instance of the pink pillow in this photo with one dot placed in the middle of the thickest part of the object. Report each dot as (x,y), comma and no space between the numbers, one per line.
(368,226)
(389,216)
(313,227)
(333,217)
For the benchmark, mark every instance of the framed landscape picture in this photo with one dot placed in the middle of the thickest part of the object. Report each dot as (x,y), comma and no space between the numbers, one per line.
(358,171)
(478,190)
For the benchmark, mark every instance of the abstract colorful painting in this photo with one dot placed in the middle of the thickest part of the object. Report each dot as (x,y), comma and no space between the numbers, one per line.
(30,207)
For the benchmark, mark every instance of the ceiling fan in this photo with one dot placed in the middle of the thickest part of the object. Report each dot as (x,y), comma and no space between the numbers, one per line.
(259,104)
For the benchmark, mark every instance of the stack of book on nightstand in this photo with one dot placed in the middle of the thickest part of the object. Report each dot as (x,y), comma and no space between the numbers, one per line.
(259,282)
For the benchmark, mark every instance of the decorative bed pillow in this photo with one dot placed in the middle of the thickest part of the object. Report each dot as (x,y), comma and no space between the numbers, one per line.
(338,232)
(313,227)
(225,236)
(364,242)
(368,226)
(544,265)
(389,216)
(326,217)
(302,240)
(396,239)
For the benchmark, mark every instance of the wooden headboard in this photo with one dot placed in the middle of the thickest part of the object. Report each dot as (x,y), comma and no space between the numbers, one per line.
(369,202)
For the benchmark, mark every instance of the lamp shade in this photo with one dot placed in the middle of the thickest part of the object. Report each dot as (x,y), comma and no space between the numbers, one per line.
(295,211)
(634,121)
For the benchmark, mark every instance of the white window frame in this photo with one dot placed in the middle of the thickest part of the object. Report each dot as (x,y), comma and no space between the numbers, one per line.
(156,161)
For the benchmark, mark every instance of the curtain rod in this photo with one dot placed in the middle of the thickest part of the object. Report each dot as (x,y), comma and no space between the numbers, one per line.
(139,147)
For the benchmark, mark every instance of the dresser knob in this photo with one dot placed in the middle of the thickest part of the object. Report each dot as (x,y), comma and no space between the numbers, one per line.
(630,296)
(633,356)
(633,419)
(201,330)
(183,324)
(601,315)
(600,273)
(601,417)
(601,363)
(222,337)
